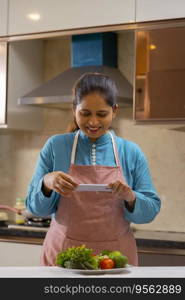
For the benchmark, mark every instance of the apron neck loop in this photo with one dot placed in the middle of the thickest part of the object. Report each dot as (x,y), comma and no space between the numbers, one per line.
(114,149)
(73,154)
(74,147)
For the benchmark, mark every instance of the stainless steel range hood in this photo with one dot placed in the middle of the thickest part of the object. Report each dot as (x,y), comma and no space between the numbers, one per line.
(90,53)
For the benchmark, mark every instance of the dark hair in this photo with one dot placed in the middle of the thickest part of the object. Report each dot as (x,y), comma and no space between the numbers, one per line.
(93,83)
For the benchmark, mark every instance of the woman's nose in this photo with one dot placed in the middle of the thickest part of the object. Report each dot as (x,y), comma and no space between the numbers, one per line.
(93,121)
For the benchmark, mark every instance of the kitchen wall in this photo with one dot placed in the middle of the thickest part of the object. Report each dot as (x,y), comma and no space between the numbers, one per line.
(163,144)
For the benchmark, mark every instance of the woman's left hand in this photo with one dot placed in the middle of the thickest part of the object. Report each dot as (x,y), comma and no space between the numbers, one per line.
(123,191)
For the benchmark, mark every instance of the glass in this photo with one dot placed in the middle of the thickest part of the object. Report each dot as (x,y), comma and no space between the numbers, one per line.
(160,74)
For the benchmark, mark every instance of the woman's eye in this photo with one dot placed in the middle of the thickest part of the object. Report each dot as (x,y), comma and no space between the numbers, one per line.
(84,114)
(87,114)
(102,115)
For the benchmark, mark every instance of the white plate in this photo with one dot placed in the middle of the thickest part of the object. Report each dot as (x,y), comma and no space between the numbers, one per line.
(127,269)
(93,188)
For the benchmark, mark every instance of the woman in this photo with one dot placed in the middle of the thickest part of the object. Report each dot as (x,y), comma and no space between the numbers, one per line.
(92,154)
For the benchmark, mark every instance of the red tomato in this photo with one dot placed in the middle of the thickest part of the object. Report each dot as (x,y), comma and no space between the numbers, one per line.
(107,263)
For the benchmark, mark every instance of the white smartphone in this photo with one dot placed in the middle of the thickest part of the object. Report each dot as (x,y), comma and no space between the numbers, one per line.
(93,188)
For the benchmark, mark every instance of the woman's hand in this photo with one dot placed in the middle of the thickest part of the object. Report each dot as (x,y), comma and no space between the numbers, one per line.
(59,182)
(123,191)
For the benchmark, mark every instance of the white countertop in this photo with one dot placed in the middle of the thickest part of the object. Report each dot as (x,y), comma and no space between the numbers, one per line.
(56,272)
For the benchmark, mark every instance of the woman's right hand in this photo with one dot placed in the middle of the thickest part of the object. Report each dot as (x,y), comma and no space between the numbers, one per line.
(59,182)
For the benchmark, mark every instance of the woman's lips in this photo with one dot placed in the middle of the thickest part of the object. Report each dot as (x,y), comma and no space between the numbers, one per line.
(93,130)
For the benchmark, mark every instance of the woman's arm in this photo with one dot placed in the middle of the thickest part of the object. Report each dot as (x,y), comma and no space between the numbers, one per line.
(147,203)
(38,201)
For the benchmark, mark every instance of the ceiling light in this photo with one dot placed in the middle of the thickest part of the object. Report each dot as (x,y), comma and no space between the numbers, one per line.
(34,16)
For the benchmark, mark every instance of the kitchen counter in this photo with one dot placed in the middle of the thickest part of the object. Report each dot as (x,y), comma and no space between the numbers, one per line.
(161,239)
(155,248)
(56,272)
(23,231)
(144,238)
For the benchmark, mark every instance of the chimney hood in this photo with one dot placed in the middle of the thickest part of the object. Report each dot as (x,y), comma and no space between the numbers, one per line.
(95,52)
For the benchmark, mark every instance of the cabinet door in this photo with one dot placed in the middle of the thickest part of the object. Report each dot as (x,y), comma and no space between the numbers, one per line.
(25,67)
(160,73)
(17,254)
(3,17)
(3,76)
(148,10)
(151,259)
(31,16)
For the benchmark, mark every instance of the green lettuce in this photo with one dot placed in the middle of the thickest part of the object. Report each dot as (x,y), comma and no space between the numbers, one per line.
(77,258)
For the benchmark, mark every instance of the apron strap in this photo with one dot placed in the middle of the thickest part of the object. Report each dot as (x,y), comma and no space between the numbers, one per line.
(75,145)
(114,149)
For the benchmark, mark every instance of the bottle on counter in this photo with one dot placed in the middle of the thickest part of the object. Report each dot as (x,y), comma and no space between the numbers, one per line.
(20,204)
(3,219)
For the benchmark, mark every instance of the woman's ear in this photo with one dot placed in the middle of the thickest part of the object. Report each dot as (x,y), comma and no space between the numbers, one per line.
(115,110)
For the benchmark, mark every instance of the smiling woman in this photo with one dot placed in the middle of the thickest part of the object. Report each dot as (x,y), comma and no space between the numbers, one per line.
(92,154)
(94,116)
(94,104)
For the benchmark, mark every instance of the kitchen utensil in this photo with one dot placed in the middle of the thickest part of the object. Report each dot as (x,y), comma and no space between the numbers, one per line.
(30,219)
(23,212)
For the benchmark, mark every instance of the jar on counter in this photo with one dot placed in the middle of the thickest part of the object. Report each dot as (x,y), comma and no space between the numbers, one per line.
(20,204)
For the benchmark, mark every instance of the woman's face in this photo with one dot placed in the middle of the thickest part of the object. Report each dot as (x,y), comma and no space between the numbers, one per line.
(94,116)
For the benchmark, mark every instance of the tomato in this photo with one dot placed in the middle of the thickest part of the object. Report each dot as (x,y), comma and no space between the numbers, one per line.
(107,263)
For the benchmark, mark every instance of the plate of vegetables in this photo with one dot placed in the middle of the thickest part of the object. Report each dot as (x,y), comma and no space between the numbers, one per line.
(81,260)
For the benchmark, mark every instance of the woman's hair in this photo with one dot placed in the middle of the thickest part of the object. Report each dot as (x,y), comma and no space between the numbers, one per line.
(90,83)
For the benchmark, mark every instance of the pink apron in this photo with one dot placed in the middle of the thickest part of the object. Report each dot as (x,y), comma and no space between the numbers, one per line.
(95,219)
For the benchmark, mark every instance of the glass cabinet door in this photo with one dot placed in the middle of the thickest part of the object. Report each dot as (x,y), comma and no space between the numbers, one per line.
(160,74)
(3,85)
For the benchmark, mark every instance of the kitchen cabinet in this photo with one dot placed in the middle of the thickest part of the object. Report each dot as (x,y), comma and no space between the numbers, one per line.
(161,257)
(18,254)
(3,17)
(3,76)
(150,10)
(160,71)
(31,16)
(21,70)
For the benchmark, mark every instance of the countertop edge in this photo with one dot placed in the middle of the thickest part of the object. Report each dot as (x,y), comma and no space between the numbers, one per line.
(143,240)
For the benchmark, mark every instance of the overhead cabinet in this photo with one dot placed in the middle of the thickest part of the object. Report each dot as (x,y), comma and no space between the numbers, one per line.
(37,16)
(3,18)
(3,77)
(160,73)
(33,16)
(151,10)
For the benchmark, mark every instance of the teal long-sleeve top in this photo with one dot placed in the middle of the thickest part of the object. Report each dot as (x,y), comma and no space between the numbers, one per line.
(56,156)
